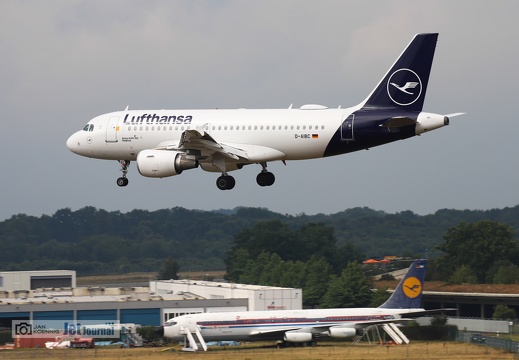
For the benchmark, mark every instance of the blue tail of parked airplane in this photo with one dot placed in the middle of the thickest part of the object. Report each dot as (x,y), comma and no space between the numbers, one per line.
(405,84)
(408,294)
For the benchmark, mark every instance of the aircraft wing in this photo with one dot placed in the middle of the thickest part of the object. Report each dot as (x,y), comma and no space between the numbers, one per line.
(272,331)
(321,328)
(199,140)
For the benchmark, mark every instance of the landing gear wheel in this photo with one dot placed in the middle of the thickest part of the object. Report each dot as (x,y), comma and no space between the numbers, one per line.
(225,182)
(265,178)
(122,181)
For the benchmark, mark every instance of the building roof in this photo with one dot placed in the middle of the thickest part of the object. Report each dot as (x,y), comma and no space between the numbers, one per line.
(225,285)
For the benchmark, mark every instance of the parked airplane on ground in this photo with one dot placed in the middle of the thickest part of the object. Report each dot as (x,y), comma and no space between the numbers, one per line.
(166,142)
(303,326)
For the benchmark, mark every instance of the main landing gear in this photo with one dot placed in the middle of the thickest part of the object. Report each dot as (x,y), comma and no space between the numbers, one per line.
(225,182)
(123,180)
(264,178)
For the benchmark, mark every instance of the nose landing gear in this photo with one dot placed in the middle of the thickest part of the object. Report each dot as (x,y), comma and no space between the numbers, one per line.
(123,180)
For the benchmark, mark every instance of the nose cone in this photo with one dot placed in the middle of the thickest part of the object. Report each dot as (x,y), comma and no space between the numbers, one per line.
(73,143)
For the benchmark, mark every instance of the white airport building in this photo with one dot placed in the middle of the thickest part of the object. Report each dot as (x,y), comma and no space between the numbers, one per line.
(31,280)
(259,297)
(53,295)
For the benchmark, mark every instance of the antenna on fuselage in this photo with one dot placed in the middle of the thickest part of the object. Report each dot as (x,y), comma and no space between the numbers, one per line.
(127,106)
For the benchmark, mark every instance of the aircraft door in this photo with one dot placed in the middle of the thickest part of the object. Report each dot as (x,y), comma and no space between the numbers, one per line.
(347,128)
(111,129)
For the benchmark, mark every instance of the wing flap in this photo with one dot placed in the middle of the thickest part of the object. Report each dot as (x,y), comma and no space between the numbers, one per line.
(198,139)
(272,331)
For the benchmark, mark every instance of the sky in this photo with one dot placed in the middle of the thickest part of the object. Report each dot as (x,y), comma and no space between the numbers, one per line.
(64,62)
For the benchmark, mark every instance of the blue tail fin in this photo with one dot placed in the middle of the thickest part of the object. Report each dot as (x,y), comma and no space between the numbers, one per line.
(408,294)
(405,84)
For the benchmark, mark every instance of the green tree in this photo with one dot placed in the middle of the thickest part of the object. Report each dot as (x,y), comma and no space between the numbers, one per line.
(379,297)
(318,272)
(169,270)
(236,264)
(463,275)
(439,320)
(254,270)
(504,312)
(506,274)
(350,289)
(477,245)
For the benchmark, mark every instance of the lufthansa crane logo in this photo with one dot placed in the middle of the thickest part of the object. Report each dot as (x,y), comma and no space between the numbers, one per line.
(404,87)
(412,287)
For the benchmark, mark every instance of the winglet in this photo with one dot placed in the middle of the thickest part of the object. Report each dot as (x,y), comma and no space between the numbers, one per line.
(408,294)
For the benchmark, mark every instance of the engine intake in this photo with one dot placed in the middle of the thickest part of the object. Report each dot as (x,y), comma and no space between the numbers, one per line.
(164,163)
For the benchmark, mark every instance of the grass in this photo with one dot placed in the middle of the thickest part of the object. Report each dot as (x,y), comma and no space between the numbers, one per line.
(257,351)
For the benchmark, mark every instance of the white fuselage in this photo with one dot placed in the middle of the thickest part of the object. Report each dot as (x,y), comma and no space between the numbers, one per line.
(296,134)
(273,324)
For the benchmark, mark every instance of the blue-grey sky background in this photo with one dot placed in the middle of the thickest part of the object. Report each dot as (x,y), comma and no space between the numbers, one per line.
(65,62)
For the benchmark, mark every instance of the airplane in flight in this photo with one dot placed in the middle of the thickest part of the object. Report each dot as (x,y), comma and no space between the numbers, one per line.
(304,326)
(166,142)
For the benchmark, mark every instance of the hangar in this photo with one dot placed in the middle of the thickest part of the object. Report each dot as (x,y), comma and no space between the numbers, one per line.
(145,305)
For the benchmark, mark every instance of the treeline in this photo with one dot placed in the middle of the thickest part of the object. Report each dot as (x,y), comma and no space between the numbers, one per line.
(270,253)
(95,241)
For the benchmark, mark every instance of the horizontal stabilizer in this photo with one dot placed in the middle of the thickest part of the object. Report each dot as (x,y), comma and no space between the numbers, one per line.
(454,114)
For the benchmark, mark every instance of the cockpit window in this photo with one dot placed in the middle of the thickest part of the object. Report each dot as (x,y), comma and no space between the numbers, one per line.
(88,127)
(170,323)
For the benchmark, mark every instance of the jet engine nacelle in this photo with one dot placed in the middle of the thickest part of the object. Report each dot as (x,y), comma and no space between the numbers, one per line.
(341,332)
(163,163)
(427,122)
(298,337)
